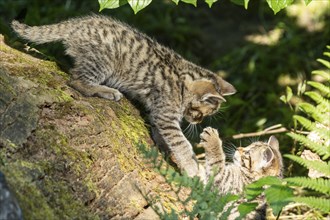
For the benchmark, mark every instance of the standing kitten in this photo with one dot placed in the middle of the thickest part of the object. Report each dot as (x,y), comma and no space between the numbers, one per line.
(111,58)
(251,163)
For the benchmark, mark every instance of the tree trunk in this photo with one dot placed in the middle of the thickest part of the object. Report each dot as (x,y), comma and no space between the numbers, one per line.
(66,156)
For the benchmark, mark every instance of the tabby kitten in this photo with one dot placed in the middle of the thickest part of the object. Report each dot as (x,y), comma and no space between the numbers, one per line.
(111,58)
(250,163)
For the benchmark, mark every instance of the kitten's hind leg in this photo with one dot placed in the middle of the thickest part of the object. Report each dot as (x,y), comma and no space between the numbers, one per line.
(94,89)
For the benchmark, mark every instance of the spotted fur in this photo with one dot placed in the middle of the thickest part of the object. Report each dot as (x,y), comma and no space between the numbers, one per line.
(250,163)
(112,58)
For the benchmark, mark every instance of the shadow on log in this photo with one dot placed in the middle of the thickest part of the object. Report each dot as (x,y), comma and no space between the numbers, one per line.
(66,156)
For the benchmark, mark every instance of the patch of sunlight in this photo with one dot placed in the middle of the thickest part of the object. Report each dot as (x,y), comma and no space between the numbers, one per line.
(268,38)
(312,16)
(287,80)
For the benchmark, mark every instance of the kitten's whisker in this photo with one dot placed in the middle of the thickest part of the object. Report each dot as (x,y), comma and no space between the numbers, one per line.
(185,130)
(195,131)
(188,132)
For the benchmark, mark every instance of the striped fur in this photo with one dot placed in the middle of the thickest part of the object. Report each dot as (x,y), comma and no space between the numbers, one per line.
(251,163)
(112,59)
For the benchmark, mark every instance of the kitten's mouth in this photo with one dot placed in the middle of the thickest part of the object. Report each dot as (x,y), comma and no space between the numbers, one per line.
(193,120)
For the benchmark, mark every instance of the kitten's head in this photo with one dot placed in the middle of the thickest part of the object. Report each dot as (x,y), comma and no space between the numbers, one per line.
(260,158)
(206,99)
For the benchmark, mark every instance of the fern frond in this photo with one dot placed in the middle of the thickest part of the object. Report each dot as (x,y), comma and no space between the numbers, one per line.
(276,196)
(323,133)
(319,185)
(316,147)
(319,166)
(317,203)
(322,73)
(318,98)
(323,88)
(312,111)
(306,123)
(324,62)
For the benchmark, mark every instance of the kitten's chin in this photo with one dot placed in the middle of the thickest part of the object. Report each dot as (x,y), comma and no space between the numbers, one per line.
(237,158)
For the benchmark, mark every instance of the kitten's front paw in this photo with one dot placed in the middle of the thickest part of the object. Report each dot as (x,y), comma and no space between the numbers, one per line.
(209,137)
(112,94)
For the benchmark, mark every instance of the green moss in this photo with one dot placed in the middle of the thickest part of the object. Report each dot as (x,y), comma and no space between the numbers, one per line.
(33,203)
(50,165)
(42,197)
(58,144)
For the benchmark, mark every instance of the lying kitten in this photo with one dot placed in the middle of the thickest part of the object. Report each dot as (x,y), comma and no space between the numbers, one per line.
(112,58)
(250,163)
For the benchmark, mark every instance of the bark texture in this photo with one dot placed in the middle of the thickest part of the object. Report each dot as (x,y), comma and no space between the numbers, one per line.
(66,156)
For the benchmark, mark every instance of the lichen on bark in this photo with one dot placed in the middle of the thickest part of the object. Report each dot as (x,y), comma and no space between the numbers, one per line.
(66,156)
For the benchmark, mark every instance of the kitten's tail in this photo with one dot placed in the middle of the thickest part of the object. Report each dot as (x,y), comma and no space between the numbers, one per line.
(40,34)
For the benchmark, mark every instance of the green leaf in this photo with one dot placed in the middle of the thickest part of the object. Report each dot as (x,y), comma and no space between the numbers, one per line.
(193,2)
(319,166)
(256,188)
(311,126)
(320,185)
(111,4)
(246,4)
(324,62)
(276,196)
(316,147)
(176,1)
(324,89)
(238,2)
(311,110)
(138,5)
(210,2)
(301,88)
(245,208)
(306,123)
(324,74)
(283,98)
(307,2)
(288,93)
(317,97)
(277,5)
(317,203)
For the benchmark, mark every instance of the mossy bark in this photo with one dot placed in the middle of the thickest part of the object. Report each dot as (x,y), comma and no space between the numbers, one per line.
(66,156)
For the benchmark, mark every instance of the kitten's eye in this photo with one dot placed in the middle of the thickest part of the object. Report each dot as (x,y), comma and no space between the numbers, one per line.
(211,101)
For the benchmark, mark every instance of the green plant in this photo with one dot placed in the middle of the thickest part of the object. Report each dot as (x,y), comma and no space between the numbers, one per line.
(198,199)
(316,137)
(317,123)
(136,5)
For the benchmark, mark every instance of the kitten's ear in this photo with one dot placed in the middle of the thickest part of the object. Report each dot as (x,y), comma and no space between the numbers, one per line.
(226,88)
(210,96)
(273,142)
(267,158)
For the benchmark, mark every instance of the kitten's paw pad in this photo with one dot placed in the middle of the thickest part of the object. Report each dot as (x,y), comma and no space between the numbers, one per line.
(112,94)
(209,137)
(208,133)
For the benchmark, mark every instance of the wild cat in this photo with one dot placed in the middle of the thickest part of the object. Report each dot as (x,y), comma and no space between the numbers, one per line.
(250,163)
(112,59)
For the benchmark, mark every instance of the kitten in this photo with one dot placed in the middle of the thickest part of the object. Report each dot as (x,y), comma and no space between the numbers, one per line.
(111,58)
(251,163)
